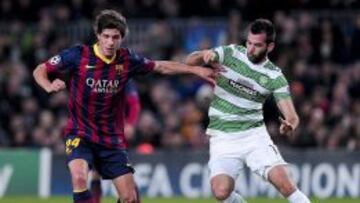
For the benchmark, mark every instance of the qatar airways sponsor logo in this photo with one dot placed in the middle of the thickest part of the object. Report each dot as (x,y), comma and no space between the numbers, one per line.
(103,86)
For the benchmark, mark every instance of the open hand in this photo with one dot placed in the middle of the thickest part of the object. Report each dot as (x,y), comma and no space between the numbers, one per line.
(218,68)
(207,74)
(285,127)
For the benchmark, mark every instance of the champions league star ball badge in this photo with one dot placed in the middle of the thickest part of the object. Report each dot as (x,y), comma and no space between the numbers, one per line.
(55,60)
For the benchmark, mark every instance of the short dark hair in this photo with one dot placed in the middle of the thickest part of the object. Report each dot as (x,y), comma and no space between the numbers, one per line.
(110,19)
(265,26)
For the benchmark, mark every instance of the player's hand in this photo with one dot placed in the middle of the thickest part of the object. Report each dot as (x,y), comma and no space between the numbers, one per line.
(207,74)
(56,86)
(218,68)
(285,127)
(209,56)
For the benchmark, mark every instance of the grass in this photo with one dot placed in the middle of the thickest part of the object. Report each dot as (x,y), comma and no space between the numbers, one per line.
(164,200)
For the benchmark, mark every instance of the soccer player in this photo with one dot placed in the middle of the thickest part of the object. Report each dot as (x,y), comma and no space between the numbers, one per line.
(95,129)
(132,111)
(238,135)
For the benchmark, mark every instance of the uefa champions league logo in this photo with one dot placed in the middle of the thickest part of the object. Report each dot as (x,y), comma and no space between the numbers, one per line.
(55,60)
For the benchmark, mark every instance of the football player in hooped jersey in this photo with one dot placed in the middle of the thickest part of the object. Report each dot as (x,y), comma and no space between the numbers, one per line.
(237,131)
(95,129)
(132,112)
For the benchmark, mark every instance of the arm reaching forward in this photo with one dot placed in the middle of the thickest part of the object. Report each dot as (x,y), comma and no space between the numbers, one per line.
(201,57)
(170,68)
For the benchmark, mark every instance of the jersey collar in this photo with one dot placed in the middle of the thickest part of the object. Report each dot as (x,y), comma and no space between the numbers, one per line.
(101,56)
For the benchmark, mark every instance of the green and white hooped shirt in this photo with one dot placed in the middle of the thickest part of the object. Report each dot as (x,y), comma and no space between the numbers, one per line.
(241,91)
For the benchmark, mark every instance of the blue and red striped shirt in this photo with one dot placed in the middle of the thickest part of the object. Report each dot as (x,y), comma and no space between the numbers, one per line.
(132,107)
(97,91)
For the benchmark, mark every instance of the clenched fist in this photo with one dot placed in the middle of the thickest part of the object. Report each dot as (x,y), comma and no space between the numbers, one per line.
(56,86)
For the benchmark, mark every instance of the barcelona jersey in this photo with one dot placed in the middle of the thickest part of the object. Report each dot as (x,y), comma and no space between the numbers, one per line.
(97,87)
(132,106)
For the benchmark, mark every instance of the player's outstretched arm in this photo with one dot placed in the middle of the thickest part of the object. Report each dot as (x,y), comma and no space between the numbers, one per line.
(41,77)
(171,68)
(201,57)
(291,119)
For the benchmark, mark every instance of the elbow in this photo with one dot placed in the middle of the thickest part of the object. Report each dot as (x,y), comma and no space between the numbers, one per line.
(160,67)
(39,72)
(36,72)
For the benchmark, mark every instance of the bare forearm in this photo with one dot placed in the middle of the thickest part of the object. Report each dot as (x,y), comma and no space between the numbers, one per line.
(195,59)
(293,120)
(41,77)
(288,111)
(171,68)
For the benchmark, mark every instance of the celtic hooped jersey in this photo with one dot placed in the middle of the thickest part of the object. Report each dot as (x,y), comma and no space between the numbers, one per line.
(241,91)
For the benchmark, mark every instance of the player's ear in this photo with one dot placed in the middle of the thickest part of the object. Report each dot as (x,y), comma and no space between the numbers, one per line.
(270,47)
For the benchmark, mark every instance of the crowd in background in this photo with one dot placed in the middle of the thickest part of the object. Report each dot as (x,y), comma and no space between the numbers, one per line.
(318,52)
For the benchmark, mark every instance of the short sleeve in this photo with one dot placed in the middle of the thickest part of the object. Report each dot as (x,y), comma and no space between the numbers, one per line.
(280,88)
(224,52)
(139,65)
(65,61)
(219,51)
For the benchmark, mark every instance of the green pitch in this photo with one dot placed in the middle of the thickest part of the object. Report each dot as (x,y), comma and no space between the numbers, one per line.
(164,200)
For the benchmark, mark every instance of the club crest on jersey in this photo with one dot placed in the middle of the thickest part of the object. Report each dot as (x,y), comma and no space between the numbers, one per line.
(263,80)
(55,60)
(119,68)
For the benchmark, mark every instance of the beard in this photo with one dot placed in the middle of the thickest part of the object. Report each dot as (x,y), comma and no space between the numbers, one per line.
(257,58)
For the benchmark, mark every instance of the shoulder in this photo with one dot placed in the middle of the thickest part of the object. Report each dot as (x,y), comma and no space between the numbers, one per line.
(231,48)
(132,54)
(128,54)
(74,51)
(125,51)
(271,66)
(223,47)
(271,70)
(235,47)
(240,48)
(78,48)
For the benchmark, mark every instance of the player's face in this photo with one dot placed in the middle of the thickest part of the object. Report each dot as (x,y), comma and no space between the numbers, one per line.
(109,41)
(257,48)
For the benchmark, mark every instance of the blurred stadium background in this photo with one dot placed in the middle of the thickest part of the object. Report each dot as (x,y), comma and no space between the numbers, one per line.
(318,48)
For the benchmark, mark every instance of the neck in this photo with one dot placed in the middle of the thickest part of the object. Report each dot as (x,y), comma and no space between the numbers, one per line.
(258,62)
(262,60)
(107,56)
(103,54)
(100,54)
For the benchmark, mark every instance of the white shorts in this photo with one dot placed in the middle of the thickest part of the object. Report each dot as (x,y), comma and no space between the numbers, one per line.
(229,154)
